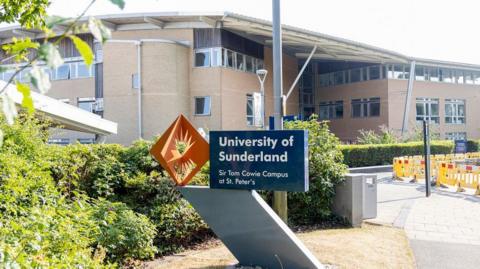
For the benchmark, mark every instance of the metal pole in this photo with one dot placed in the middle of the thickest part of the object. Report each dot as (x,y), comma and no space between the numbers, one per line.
(262,90)
(279,197)
(426,141)
(139,94)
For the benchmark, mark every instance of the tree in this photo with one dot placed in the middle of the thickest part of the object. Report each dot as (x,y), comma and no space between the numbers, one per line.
(31,14)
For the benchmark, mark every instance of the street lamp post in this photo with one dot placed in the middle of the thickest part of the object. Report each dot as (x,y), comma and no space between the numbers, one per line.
(262,75)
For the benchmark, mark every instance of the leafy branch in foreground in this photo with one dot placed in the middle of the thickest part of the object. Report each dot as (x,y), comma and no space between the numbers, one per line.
(40,56)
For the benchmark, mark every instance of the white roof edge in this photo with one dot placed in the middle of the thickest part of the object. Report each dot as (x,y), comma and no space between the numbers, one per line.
(70,117)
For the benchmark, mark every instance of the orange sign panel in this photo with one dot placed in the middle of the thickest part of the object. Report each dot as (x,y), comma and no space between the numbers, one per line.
(181,151)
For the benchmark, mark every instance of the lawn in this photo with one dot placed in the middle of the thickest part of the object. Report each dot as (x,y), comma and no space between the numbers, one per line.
(368,247)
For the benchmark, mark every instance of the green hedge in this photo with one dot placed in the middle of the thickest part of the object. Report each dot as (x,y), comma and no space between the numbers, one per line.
(382,154)
(473,145)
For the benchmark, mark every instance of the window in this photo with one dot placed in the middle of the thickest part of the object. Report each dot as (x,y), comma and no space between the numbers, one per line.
(240,61)
(202,58)
(355,75)
(86,140)
(259,64)
(366,107)
(427,109)
(86,103)
(456,136)
(217,58)
(374,72)
(62,72)
(83,71)
(419,73)
(202,106)
(229,59)
(249,63)
(446,75)
(135,81)
(468,77)
(331,110)
(459,76)
(250,116)
(339,77)
(433,74)
(454,111)
(59,141)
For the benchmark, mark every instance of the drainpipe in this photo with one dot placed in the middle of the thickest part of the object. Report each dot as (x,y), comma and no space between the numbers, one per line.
(139,95)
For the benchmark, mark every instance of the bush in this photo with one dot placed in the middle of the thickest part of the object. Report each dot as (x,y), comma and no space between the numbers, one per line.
(123,233)
(39,226)
(473,146)
(383,154)
(326,170)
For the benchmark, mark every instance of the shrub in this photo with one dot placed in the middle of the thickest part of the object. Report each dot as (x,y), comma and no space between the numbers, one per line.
(326,170)
(385,136)
(382,154)
(123,233)
(473,146)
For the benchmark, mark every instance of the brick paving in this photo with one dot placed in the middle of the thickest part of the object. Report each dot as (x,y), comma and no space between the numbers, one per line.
(446,216)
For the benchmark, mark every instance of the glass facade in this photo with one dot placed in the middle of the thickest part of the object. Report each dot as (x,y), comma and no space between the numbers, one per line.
(214,57)
(399,71)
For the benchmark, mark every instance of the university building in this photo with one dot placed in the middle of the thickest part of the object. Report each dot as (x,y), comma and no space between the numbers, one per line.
(203,65)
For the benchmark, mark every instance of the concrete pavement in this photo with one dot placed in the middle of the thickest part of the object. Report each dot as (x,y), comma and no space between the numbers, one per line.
(444,229)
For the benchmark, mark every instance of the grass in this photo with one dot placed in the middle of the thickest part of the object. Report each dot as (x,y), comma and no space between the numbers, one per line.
(368,247)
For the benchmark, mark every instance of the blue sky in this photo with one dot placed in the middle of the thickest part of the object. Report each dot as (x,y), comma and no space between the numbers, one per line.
(441,29)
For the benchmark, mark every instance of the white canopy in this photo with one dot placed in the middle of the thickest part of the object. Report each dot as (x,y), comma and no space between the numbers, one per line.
(68,116)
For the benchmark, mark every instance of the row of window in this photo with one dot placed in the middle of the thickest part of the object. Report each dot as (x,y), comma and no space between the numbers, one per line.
(427,109)
(399,71)
(66,141)
(213,57)
(361,108)
(71,70)
(253,112)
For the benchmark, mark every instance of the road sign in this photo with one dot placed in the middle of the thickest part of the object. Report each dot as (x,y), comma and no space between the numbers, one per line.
(259,160)
(460,146)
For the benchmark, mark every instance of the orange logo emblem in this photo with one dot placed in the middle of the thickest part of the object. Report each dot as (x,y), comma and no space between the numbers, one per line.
(181,151)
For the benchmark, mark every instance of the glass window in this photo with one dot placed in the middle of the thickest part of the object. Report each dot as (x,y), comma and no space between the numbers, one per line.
(339,77)
(240,61)
(86,140)
(374,72)
(427,109)
(366,107)
(250,115)
(229,58)
(86,104)
(59,141)
(406,71)
(249,63)
(217,57)
(459,76)
(446,75)
(374,107)
(398,72)
(468,77)
(456,136)
(355,75)
(476,77)
(331,110)
(135,81)
(259,64)
(454,111)
(202,58)
(365,73)
(433,74)
(63,72)
(202,106)
(82,70)
(419,73)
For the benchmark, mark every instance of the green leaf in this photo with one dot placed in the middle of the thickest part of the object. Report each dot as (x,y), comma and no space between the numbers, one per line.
(84,49)
(119,3)
(98,30)
(49,53)
(40,79)
(20,48)
(27,101)
(1,138)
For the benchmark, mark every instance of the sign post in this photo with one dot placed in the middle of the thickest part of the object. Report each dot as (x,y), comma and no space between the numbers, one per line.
(426,141)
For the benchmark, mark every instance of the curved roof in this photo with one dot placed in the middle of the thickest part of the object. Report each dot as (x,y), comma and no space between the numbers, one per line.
(296,41)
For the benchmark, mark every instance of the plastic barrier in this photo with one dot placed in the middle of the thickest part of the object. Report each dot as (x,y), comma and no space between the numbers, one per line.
(444,169)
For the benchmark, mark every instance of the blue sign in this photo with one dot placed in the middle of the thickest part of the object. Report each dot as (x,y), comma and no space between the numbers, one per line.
(259,160)
(460,146)
(271,121)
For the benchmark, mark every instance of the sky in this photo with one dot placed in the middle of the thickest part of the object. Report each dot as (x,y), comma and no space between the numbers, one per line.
(434,29)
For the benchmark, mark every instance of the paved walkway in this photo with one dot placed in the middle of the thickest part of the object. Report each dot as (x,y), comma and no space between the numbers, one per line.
(444,229)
